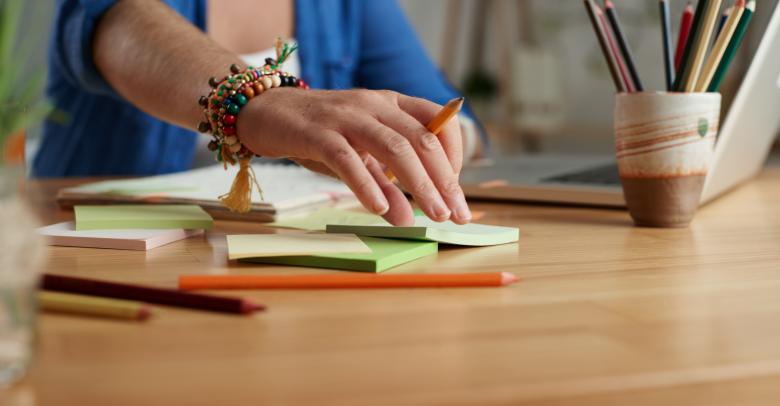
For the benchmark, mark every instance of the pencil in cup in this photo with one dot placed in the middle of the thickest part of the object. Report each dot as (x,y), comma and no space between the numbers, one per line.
(596,18)
(701,37)
(733,46)
(625,55)
(666,35)
(344,281)
(93,306)
(450,110)
(685,29)
(719,49)
(687,50)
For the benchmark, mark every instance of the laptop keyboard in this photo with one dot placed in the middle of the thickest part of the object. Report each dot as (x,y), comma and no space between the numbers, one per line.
(605,175)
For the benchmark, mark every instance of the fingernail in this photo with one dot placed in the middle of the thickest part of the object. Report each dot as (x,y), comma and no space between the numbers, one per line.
(462,211)
(440,211)
(381,207)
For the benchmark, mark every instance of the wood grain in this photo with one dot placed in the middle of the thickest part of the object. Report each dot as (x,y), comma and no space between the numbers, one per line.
(606,313)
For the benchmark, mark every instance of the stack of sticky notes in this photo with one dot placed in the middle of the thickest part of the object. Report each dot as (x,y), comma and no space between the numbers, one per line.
(129,227)
(360,242)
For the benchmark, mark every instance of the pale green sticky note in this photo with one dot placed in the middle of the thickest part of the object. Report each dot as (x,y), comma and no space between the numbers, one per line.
(135,216)
(273,245)
(386,254)
(317,220)
(426,229)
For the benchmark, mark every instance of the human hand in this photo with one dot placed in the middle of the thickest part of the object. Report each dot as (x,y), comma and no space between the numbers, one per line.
(354,134)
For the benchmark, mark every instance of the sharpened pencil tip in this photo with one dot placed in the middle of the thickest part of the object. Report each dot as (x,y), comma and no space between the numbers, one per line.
(249,307)
(144,312)
(508,278)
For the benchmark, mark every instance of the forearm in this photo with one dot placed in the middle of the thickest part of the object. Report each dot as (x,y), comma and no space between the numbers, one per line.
(158,60)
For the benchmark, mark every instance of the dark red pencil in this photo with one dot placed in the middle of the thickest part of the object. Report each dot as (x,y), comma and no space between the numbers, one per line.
(685,29)
(147,294)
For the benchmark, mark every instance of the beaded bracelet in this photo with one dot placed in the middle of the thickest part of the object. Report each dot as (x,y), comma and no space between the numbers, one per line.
(221,108)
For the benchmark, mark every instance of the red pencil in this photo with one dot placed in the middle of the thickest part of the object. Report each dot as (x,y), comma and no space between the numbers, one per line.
(685,29)
(345,281)
(630,88)
(146,294)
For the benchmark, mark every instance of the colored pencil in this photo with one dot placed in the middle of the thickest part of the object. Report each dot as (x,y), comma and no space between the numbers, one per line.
(93,306)
(698,16)
(731,49)
(682,39)
(700,46)
(625,50)
(161,296)
(593,13)
(627,82)
(716,54)
(344,281)
(437,123)
(450,110)
(667,46)
(722,21)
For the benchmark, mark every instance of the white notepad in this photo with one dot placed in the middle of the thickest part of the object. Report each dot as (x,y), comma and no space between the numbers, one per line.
(287,189)
(65,234)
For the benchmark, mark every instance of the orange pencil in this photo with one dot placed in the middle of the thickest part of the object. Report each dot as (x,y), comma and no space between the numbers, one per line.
(450,110)
(345,281)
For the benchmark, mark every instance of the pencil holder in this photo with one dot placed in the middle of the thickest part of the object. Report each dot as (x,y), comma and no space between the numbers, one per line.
(664,144)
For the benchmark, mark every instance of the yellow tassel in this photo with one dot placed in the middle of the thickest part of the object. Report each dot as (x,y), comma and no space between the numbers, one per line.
(239,199)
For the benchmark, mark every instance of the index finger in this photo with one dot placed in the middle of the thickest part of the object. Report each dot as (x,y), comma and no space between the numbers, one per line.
(450,137)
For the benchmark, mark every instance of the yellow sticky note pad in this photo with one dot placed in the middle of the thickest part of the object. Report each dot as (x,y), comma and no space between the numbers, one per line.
(272,245)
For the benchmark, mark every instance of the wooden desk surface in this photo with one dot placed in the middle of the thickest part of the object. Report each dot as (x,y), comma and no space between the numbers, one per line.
(606,314)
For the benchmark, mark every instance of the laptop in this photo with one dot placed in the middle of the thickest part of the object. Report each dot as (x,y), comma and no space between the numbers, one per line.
(745,140)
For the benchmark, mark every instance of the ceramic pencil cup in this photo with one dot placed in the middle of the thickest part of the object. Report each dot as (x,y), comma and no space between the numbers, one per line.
(664,144)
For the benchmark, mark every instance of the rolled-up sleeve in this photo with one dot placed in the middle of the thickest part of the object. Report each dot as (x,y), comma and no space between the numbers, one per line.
(71,53)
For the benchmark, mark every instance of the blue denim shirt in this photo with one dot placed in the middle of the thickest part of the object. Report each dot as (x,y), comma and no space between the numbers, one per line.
(342,43)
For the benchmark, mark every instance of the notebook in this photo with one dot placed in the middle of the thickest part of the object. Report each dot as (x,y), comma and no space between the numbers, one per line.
(65,234)
(385,254)
(288,190)
(426,229)
(266,245)
(133,216)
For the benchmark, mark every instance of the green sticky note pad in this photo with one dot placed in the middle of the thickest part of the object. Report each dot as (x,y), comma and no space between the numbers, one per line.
(132,216)
(425,229)
(386,254)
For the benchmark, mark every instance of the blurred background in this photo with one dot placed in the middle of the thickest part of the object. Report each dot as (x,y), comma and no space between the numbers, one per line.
(531,68)
(535,70)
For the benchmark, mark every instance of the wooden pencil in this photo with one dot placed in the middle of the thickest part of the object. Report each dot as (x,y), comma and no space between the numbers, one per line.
(147,294)
(344,281)
(685,29)
(450,110)
(93,306)
(667,46)
(722,21)
(685,65)
(437,123)
(593,13)
(716,54)
(625,76)
(625,50)
(731,49)
(699,50)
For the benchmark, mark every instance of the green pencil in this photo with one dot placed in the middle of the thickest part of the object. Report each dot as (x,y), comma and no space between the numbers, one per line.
(731,49)
(685,62)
